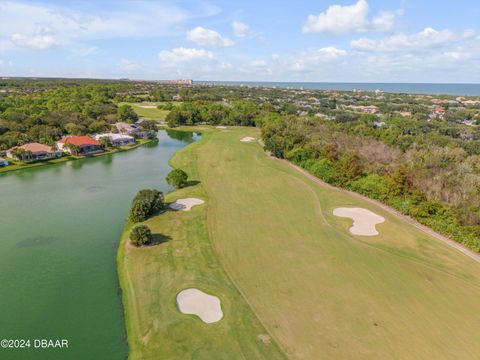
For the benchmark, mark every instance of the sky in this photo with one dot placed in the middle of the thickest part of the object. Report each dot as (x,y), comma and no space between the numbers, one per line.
(433,41)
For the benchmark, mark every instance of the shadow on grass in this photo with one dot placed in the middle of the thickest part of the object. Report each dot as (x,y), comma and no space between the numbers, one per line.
(191,183)
(158,239)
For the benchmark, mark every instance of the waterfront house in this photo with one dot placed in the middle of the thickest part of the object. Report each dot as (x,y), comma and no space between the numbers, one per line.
(132,130)
(33,152)
(117,139)
(125,128)
(3,162)
(85,145)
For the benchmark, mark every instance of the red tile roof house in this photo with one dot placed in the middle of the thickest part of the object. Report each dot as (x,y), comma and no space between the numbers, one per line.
(33,152)
(86,145)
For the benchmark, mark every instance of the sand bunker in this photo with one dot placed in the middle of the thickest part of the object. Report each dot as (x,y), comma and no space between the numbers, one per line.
(148,106)
(185,204)
(220,127)
(364,220)
(196,302)
(247,139)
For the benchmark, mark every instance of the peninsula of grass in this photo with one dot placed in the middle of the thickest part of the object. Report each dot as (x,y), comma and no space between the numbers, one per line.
(15,165)
(183,257)
(289,272)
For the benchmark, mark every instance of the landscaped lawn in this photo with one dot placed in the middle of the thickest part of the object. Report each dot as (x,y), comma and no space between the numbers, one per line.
(267,232)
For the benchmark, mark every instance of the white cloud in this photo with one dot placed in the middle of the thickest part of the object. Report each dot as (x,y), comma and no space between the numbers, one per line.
(326,53)
(426,39)
(207,37)
(384,21)
(128,65)
(240,29)
(258,63)
(182,54)
(226,66)
(37,41)
(311,59)
(338,19)
(40,26)
(456,55)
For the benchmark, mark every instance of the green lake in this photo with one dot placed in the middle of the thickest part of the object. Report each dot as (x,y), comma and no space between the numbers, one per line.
(59,230)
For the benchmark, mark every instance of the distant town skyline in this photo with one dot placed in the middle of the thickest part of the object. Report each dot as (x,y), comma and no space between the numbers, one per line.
(315,41)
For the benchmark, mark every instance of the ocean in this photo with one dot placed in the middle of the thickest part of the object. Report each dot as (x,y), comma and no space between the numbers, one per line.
(405,88)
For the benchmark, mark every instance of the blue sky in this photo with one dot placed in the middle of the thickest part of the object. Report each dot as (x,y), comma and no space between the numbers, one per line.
(322,40)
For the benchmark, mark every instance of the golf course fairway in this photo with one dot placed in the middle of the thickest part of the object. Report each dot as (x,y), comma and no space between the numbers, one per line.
(292,280)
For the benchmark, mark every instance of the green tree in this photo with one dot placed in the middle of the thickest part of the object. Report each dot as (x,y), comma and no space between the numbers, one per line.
(74,149)
(145,203)
(105,141)
(126,113)
(140,235)
(148,125)
(177,178)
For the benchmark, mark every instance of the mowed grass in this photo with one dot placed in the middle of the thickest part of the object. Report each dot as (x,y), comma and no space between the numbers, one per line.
(321,292)
(151,277)
(148,113)
(268,233)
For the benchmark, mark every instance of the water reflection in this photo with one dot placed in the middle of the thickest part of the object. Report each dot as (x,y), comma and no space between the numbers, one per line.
(185,136)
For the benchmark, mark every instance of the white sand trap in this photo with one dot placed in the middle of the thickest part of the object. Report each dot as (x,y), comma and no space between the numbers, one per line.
(185,204)
(247,139)
(196,302)
(220,127)
(148,106)
(364,220)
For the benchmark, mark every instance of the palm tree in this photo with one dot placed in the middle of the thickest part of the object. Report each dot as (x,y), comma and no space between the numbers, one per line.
(74,149)
(105,142)
(22,154)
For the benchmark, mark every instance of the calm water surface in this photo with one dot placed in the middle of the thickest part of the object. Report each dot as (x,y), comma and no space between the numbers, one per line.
(405,88)
(59,230)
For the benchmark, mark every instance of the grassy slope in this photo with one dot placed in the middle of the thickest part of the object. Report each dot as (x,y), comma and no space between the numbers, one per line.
(151,278)
(320,291)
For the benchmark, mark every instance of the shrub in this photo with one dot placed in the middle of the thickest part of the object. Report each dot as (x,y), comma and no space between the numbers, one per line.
(373,185)
(177,178)
(145,203)
(323,169)
(140,235)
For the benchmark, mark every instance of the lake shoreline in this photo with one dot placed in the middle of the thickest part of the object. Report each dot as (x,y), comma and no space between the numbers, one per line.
(65,159)
(52,218)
